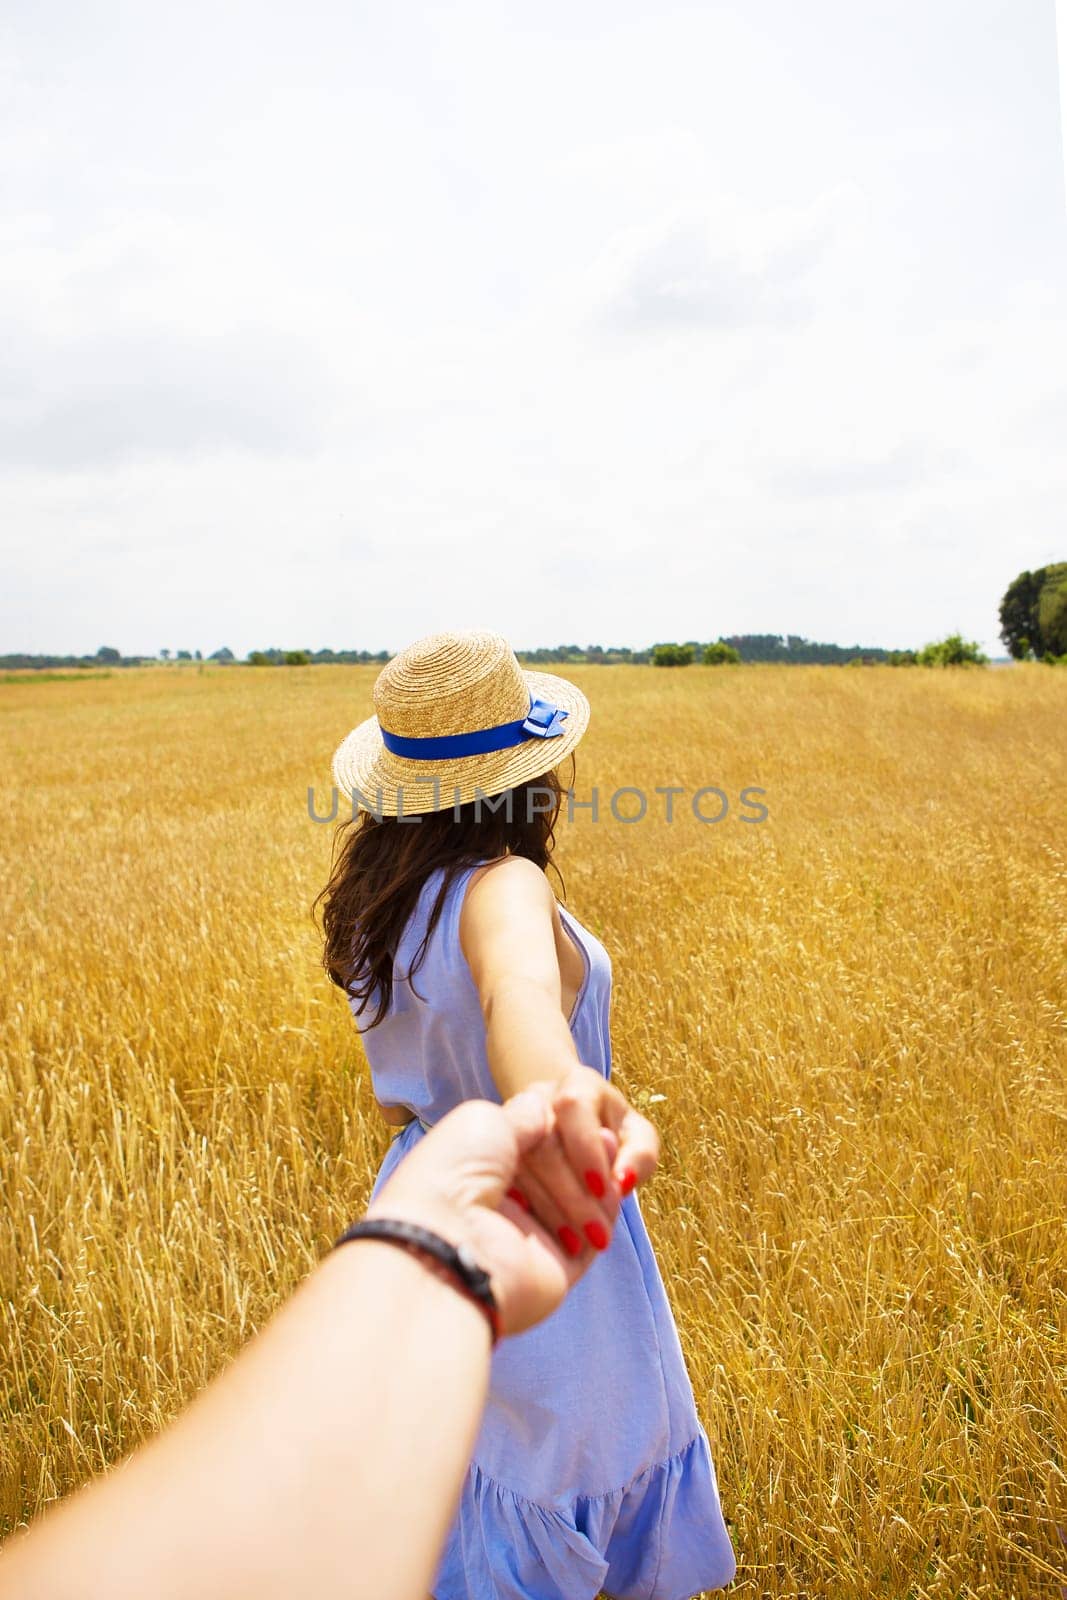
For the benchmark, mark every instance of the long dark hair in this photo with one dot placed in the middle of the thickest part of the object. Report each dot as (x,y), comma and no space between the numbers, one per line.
(381,863)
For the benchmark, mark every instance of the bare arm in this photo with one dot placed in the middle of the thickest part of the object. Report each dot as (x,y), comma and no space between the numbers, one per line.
(508,936)
(282,1479)
(329,1458)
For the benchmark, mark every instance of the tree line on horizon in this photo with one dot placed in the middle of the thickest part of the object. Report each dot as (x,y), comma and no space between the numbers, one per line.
(747,647)
(952,651)
(1033,626)
(734,649)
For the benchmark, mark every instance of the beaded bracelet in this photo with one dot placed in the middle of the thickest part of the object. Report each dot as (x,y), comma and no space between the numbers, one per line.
(467,1276)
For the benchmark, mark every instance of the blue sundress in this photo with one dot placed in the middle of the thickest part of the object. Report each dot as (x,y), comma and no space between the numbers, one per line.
(591,1470)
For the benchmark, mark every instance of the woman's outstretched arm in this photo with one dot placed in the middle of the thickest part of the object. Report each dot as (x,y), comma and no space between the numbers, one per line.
(328,1459)
(508,937)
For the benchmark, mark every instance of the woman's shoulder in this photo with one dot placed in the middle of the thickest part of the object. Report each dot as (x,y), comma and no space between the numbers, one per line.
(503,893)
(519,873)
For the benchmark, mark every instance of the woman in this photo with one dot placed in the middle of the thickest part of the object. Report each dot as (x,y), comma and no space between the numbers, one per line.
(468,980)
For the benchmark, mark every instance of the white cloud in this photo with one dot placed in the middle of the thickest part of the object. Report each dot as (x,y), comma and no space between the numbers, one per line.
(724,267)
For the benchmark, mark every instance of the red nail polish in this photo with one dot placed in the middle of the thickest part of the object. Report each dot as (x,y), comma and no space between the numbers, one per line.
(570,1241)
(595,1184)
(597,1235)
(519,1198)
(629,1179)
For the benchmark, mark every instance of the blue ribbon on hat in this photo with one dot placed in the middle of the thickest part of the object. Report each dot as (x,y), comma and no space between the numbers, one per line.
(543,721)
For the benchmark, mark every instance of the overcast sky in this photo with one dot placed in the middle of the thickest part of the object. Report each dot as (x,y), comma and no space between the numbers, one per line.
(336,324)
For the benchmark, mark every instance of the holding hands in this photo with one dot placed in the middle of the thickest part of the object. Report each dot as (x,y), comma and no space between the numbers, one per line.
(532,1187)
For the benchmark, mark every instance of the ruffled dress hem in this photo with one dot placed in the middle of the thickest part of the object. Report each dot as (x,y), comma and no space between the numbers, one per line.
(660,1537)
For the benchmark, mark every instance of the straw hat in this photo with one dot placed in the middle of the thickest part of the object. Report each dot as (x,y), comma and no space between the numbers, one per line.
(456,716)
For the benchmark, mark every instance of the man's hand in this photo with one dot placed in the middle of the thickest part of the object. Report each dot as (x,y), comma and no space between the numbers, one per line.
(456,1181)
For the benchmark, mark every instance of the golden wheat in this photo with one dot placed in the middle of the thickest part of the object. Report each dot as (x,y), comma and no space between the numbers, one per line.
(849,1021)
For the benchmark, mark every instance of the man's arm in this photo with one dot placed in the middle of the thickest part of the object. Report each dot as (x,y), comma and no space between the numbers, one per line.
(284,1478)
(329,1458)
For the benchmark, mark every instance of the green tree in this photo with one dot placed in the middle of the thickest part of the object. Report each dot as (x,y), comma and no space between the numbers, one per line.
(672,655)
(954,651)
(1033,602)
(298,658)
(258,658)
(721,654)
(1052,610)
(107,653)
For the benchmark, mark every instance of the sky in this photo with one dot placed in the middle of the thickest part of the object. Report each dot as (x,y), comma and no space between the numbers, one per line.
(334,325)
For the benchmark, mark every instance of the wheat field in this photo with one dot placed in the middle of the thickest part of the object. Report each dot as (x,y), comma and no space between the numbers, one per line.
(848,1021)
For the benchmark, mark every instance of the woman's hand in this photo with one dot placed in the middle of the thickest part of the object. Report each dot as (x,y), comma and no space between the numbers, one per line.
(456,1182)
(602,1149)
